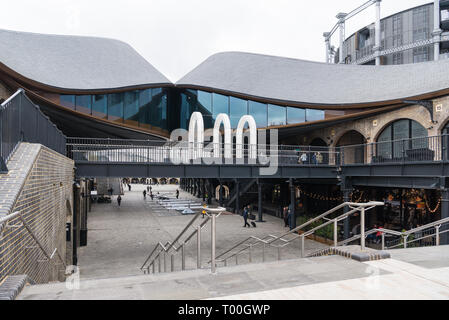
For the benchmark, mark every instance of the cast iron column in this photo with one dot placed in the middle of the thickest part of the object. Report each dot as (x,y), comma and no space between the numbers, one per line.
(346,193)
(237,198)
(209,192)
(220,194)
(259,204)
(436,29)
(444,238)
(377,29)
(292,205)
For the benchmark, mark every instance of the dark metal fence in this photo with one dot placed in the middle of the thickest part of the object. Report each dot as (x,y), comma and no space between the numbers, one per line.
(422,149)
(22,121)
(148,151)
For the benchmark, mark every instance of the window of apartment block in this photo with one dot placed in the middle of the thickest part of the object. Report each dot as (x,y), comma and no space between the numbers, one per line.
(398,58)
(421,23)
(420,54)
(397,30)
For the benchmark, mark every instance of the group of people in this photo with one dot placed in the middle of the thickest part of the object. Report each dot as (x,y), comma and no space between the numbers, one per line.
(287,216)
(316,158)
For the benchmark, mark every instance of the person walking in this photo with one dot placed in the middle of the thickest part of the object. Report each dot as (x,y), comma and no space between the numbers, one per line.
(119,200)
(148,189)
(144,194)
(289,218)
(129,187)
(285,216)
(177,193)
(151,195)
(245,217)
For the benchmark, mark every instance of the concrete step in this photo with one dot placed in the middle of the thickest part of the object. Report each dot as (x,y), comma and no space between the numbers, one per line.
(201,284)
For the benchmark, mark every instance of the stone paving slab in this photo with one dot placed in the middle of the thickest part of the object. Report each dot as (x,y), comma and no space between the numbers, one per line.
(120,238)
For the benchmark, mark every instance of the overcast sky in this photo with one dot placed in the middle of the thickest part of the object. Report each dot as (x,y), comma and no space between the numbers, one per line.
(177,35)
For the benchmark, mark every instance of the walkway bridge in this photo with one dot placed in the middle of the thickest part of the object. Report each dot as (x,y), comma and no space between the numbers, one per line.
(146,158)
(408,163)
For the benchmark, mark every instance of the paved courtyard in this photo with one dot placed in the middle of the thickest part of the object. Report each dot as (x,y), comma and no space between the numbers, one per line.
(120,238)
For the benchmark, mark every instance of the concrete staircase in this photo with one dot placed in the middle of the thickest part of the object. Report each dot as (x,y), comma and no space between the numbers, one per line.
(201,284)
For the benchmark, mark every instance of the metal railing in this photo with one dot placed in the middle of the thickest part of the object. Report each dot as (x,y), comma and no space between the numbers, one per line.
(279,242)
(22,121)
(161,250)
(426,235)
(421,149)
(148,151)
(10,259)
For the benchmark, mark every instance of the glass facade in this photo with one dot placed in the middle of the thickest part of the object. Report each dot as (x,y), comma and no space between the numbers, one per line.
(238,108)
(295,115)
(314,115)
(148,108)
(277,115)
(84,104)
(259,112)
(115,107)
(131,108)
(265,115)
(67,101)
(141,108)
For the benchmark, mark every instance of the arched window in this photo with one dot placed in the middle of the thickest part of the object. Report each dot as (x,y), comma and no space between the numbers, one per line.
(399,137)
(445,129)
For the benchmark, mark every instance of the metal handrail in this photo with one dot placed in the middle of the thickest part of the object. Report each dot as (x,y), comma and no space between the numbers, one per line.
(404,235)
(273,239)
(172,245)
(3,224)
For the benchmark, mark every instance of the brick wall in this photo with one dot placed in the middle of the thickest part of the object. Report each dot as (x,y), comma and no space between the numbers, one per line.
(38,184)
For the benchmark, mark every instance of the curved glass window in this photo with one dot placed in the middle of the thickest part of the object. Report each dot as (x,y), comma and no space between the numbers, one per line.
(259,112)
(131,108)
(220,104)
(84,104)
(295,115)
(67,101)
(145,97)
(314,115)
(100,106)
(115,107)
(187,108)
(204,102)
(402,139)
(238,108)
(277,115)
(145,108)
(158,109)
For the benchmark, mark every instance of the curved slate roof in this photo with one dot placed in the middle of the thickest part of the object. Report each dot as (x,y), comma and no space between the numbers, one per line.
(298,81)
(76,62)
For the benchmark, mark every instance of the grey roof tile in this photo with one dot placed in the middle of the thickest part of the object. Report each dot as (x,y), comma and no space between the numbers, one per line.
(299,81)
(76,62)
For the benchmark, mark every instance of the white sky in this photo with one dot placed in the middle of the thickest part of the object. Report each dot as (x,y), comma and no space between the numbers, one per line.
(177,35)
